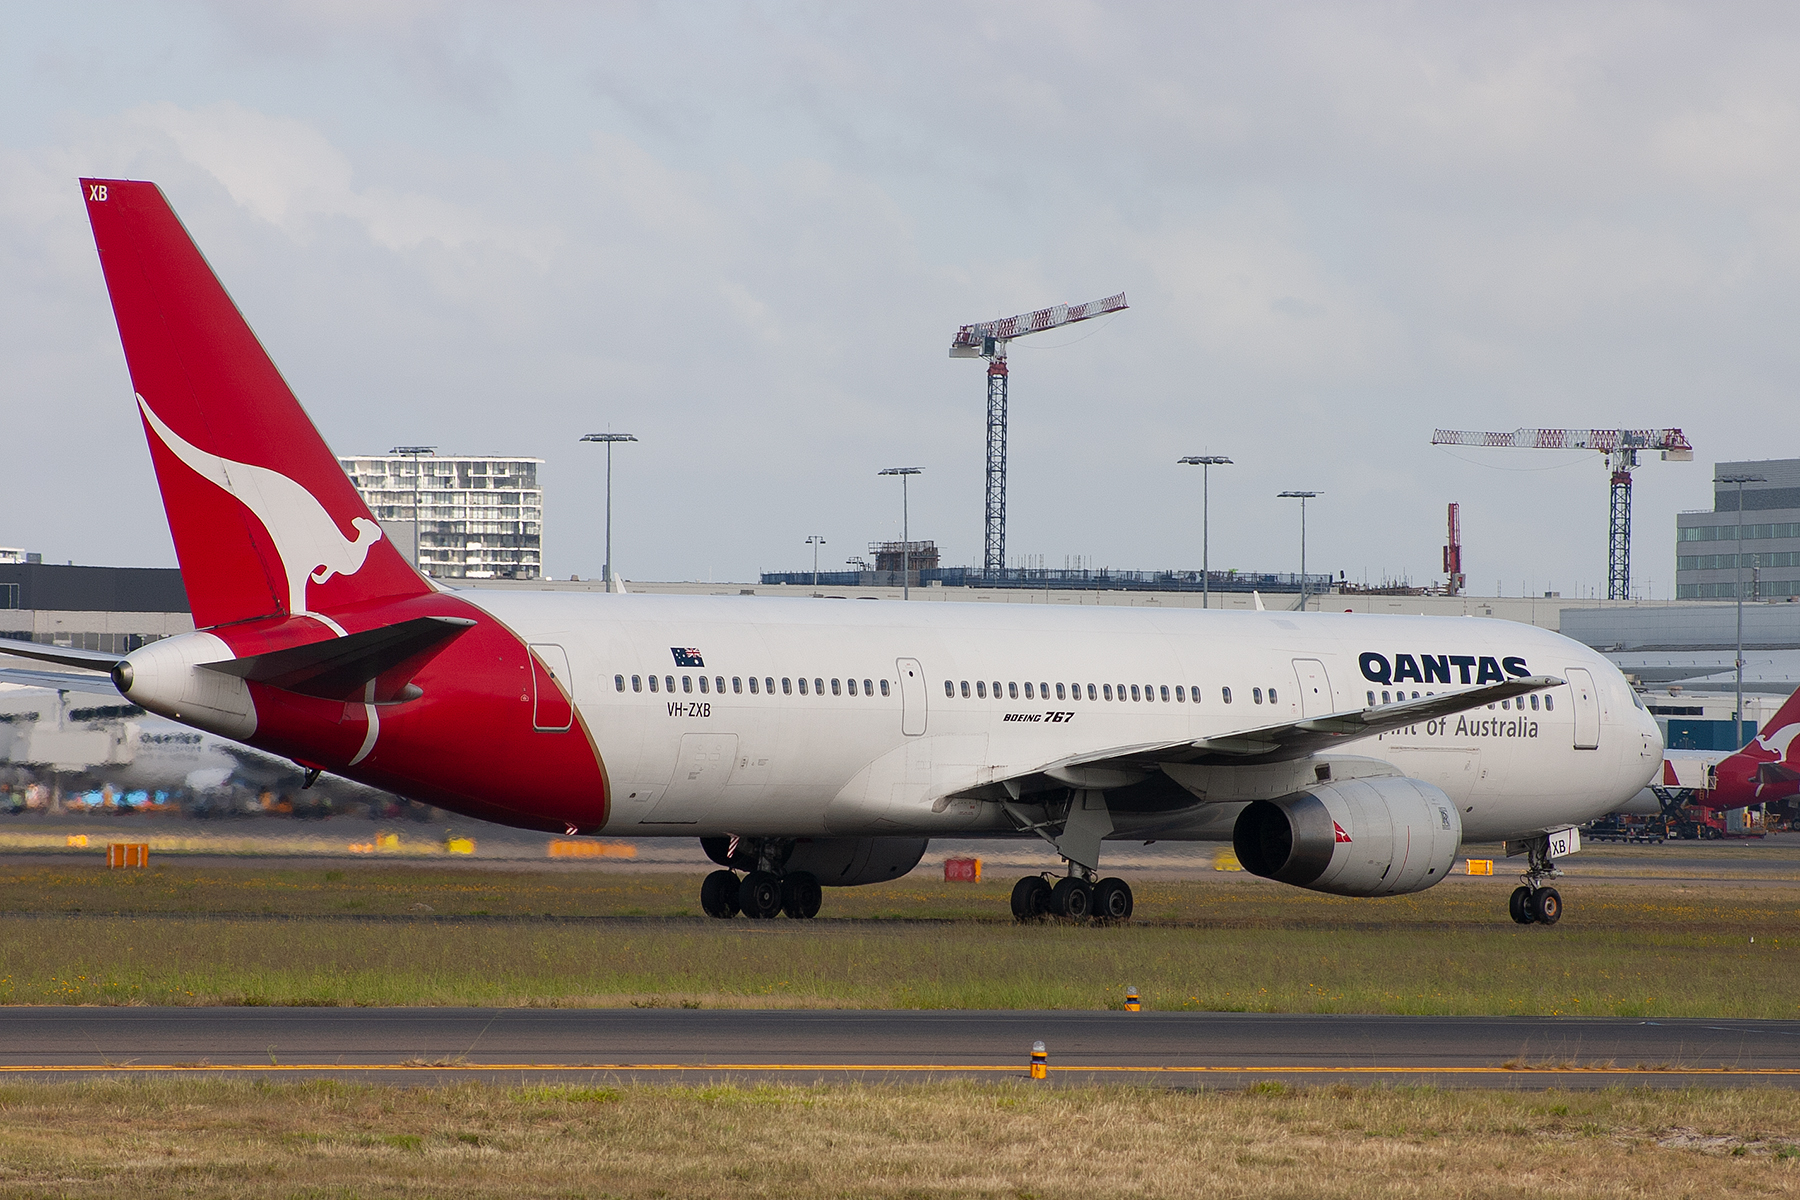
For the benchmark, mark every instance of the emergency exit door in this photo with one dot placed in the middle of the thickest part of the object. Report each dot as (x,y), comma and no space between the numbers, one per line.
(1587,708)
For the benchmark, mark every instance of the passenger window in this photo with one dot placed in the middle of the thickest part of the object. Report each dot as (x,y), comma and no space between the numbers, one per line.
(1165,693)
(702,684)
(1012,690)
(949,689)
(1505,704)
(637,683)
(1107,688)
(619,682)
(1194,691)
(1091,694)
(787,686)
(835,689)
(719,684)
(1225,693)
(1028,694)
(996,689)
(669,684)
(803,685)
(1271,695)
(1256,695)
(1180,694)
(1043,691)
(1059,691)
(768,684)
(753,685)
(884,687)
(653,683)
(818,686)
(965,689)
(737,685)
(1371,699)
(981,688)
(850,684)
(1134,691)
(1534,702)
(868,687)
(687,683)
(1386,699)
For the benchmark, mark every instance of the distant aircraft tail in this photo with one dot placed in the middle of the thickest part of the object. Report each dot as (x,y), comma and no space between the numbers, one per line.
(265,521)
(1768,769)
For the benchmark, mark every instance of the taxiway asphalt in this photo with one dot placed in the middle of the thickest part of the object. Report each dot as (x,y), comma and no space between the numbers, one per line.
(1178,1049)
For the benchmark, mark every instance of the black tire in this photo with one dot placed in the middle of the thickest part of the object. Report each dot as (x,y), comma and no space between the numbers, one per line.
(1072,898)
(719,895)
(1546,906)
(1520,905)
(801,896)
(1030,898)
(759,896)
(1112,900)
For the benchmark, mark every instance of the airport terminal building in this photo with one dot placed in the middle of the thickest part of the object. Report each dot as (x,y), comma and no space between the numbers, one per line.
(1711,563)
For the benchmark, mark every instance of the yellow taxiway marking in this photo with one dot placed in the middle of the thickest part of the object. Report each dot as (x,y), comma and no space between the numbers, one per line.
(1017,1068)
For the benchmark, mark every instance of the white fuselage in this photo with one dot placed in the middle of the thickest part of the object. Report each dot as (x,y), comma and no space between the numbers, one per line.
(713,758)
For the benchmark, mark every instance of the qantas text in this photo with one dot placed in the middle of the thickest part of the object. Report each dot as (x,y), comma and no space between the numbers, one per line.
(1439,668)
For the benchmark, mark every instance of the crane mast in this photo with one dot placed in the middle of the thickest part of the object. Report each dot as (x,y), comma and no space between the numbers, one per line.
(1620,447)
(988,339)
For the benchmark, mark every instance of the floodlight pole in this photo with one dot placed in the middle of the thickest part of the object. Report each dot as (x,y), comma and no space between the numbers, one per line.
(1206,462)
(414,453)
(1302,497)
(815,541)
(905,528)
(609,439)
(1737,589)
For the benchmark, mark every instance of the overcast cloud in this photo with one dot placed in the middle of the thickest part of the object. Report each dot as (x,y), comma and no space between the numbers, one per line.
(747,233)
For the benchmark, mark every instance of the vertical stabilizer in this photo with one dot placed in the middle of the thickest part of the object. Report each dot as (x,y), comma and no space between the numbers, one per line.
(264,519)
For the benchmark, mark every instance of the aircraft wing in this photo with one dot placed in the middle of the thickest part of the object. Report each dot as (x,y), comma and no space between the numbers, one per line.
(1119,766)
(62,681)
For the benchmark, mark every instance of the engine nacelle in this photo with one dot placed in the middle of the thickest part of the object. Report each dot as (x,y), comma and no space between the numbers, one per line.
(834,862)
(1357,837)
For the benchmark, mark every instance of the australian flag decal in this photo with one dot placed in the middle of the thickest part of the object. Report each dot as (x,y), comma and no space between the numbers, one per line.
(687,656)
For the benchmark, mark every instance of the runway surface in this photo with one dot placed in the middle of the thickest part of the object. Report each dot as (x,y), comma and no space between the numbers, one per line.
(1218,1050)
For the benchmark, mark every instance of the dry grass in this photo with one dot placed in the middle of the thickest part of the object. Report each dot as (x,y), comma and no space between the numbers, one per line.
(218,1138)
(392,934)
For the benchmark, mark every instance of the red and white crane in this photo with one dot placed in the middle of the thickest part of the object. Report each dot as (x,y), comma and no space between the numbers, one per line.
(1453,568)
(1621,448)
(988,339)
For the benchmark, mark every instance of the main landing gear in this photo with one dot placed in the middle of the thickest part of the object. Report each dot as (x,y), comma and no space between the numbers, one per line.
(1533,902)
(765,889)
(1074,897)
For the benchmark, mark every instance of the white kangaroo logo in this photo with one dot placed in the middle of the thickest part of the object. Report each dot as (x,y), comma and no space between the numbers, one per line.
(309,542)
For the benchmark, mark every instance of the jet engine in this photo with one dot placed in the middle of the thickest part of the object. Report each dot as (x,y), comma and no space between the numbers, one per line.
(1358,837)
(834,862)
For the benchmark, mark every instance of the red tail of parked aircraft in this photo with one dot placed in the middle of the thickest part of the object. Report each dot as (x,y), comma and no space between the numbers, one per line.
(1766,770)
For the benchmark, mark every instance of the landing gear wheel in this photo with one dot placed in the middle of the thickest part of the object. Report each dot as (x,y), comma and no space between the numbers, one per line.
(800,896)
(1112,900)
(760,895)
(719,895)
(1520,905)
(1072,898)
(1030,898)
(1546,906)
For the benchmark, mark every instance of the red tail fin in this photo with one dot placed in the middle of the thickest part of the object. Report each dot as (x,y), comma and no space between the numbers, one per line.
(265,520)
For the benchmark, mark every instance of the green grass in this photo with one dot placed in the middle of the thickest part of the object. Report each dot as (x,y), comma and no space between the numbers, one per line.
(1622,950)
(1014,1141)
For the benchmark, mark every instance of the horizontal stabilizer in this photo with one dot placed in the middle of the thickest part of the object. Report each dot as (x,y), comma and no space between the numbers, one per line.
(62,656)
(343,668)
(62,681)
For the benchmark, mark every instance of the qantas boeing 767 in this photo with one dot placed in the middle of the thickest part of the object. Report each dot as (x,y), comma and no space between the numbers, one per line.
(812,743)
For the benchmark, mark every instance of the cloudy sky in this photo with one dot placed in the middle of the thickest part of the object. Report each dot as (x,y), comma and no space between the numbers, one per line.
(746,233)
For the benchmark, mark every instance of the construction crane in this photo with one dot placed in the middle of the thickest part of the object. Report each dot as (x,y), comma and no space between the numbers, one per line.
(1453,554)
(988,339)
(1621,448)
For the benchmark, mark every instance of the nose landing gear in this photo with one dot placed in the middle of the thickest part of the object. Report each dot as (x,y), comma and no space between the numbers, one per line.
(1534,902)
